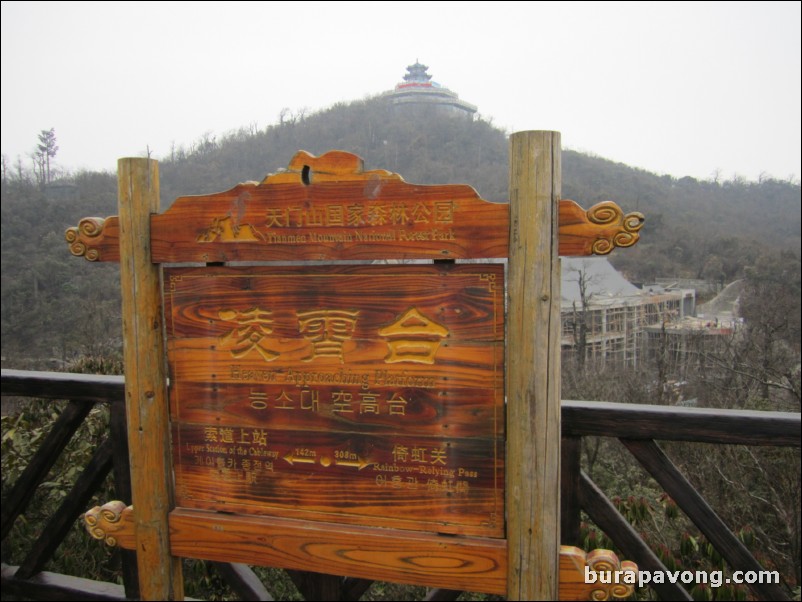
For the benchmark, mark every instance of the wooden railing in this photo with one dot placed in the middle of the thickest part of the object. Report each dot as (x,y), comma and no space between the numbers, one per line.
(83,391)
(636,426)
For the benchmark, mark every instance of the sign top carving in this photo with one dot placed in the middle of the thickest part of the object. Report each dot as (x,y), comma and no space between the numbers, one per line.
(331,208)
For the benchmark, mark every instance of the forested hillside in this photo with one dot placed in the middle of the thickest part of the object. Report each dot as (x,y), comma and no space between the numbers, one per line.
(57,306)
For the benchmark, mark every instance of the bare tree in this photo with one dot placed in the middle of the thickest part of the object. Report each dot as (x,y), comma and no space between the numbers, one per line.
(580,315)
(38,163)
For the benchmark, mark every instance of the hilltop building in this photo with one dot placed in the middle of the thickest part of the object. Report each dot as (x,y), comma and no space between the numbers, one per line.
(61,190)
(418,90)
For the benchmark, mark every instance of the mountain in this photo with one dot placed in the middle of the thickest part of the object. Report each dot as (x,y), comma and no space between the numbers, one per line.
(56,306)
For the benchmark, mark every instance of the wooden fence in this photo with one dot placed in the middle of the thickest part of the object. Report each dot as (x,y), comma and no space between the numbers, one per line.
(638,427)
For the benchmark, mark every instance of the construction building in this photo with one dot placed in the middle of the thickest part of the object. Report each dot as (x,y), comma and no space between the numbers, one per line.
(608,318)
(691,342)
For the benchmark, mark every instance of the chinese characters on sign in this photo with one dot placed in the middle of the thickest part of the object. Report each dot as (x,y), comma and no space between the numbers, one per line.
(412,338)
(327,330)
(350,223)
(355,387)
(252,327)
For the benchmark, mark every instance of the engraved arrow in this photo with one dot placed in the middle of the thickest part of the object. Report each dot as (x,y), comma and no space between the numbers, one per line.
(358,464)
(300,459)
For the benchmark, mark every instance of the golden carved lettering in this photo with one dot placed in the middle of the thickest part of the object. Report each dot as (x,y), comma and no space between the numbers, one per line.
(444,212)
(285,401)
(355,215)
(421,214)
(335,215)
(277,217)
(369,403)
(258,400)
(397,405)
(376,215)
(398,214)
(341,402)
(327,330)
(253,326)
(413,338)
(309,399)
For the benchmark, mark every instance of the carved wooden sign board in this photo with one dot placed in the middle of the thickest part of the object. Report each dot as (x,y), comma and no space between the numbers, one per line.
(369,394)
(314,383)
(359,394)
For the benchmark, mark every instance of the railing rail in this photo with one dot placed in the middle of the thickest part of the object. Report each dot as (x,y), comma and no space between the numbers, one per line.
(83,391)
(636,426)
(670,423)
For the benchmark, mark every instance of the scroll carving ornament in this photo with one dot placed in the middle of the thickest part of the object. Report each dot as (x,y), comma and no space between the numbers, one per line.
(112,523)
(80,238)
(601,560)
(625,227)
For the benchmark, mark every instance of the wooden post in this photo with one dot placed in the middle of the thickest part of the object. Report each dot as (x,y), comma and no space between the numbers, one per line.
(146,381)
(570,509)
(118,431)
(533,368)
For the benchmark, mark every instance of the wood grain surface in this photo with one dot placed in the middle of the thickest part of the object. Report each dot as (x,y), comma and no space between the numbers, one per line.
(329,208)
(366,394)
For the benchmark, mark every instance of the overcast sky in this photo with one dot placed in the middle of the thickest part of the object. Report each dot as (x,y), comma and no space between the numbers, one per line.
(675,88)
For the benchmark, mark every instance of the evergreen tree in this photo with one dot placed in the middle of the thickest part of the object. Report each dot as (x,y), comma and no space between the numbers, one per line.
(47,149)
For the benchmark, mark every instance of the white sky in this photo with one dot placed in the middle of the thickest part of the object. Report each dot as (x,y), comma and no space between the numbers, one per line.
(675,88)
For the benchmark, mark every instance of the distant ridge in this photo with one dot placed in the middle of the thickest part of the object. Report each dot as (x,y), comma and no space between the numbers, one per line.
(694,229)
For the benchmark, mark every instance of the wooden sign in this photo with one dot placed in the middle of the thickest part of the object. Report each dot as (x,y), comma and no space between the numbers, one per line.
(341,418)
(367,394)
(330,208)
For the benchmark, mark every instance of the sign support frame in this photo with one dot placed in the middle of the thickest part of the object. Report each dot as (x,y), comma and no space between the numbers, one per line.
(531,232)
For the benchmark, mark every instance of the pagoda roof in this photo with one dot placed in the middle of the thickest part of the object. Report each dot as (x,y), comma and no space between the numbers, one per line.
(417,73)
